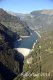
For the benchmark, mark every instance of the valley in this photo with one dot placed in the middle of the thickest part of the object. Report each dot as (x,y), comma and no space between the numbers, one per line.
(26,44)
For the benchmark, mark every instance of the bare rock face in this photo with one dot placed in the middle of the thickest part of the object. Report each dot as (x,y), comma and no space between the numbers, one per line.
(47,12)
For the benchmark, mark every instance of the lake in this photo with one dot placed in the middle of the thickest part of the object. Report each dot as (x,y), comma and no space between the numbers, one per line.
(26,42)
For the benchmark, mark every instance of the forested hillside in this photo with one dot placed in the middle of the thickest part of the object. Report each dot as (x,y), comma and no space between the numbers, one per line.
(10,59)
(14,23)
(40,60)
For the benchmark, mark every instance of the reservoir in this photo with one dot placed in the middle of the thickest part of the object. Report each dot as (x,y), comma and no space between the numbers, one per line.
(26,42)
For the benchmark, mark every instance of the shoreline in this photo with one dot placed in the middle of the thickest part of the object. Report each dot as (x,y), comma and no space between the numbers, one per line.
(34,45)
(24,36)
(19,39)
(26,51)
(38,34)
(36,40)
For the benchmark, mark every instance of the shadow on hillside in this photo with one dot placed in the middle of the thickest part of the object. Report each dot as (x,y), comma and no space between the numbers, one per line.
(6,73)
(10,37)
(20,58)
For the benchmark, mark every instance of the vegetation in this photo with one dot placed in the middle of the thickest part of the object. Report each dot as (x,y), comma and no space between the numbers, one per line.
(10,60)
(40,20)
(42,60)
(13,23)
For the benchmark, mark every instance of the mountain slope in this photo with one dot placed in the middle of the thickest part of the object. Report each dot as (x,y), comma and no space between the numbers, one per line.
(13,23)
(39,64)
(40,20)
(8,56)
